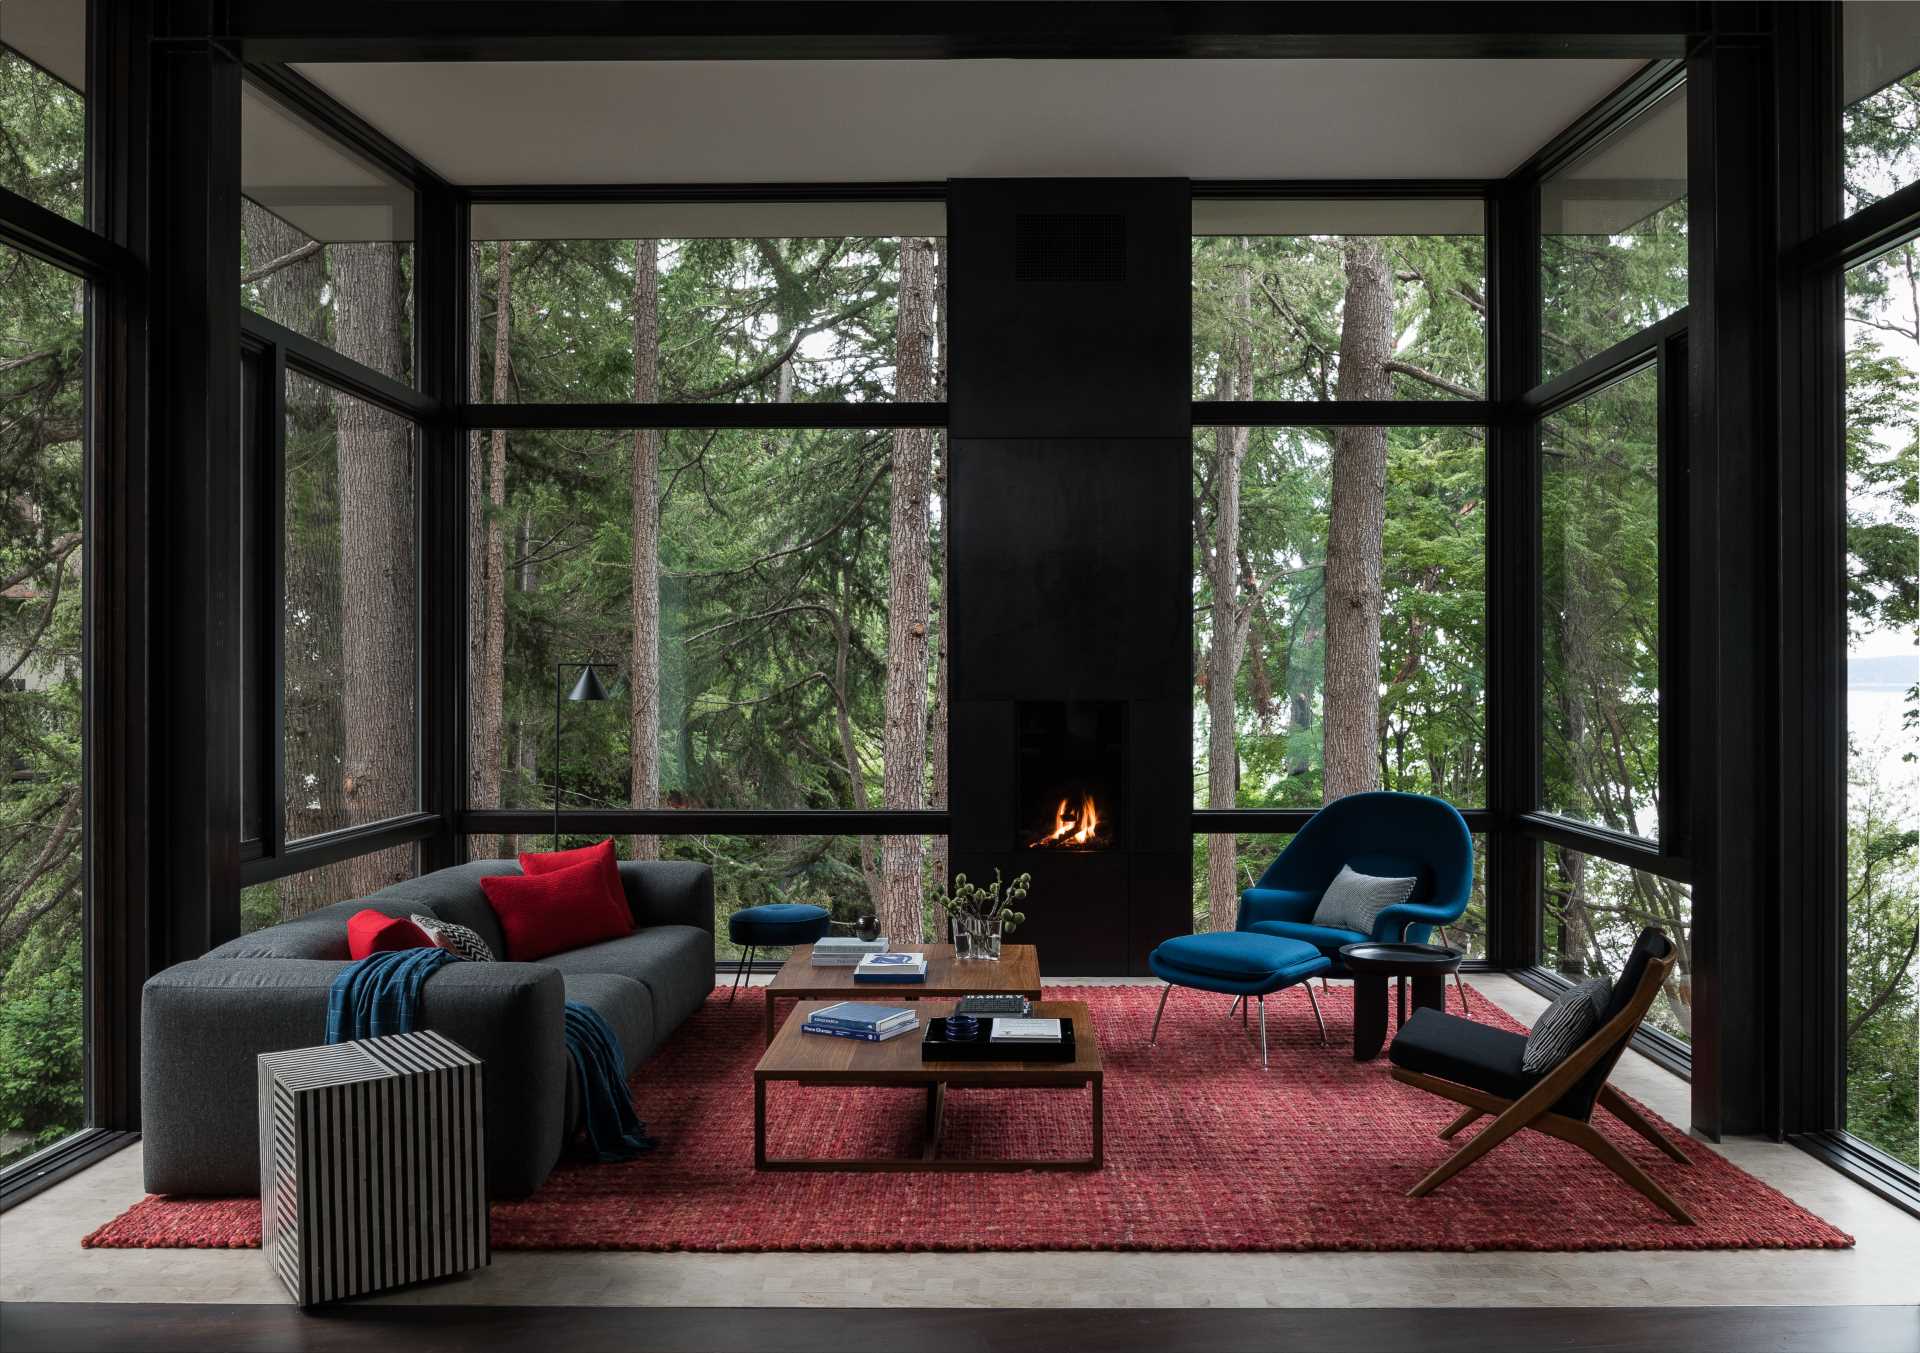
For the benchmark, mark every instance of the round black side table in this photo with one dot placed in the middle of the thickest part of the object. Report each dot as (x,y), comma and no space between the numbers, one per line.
(1428,965)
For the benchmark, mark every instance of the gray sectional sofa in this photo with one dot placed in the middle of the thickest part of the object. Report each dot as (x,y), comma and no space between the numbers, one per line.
(203,1023)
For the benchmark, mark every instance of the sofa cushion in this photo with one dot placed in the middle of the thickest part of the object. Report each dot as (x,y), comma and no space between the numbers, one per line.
(320,934)
(674,963)
(602,858)
(454,894)
(547,914)
(625,1004)
(369,932)
(669,892)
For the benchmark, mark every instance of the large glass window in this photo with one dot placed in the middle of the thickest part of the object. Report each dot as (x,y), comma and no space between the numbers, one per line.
(1613,238)
(1593,909)
(1600,607)
(1339,300)
(326,239)
(349,627)
(767,303)
(755,665)
(1880,87)
(43,887)
(43,114)
(1339,620)
(266,904)
(1882,880)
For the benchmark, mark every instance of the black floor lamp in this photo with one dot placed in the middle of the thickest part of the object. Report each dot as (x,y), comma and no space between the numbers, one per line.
(588,687)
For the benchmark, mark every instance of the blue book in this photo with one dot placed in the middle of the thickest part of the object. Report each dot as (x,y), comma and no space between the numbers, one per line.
(862,1016)
(834,1031)
(890,977)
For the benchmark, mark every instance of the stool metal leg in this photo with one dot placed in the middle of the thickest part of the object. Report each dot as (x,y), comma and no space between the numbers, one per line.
(1316,1014)
(739,970)
(1151,1038)
(1235,1006)
(1263,1033)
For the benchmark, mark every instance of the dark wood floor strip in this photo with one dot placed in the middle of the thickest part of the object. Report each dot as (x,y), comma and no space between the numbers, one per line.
(47,1327)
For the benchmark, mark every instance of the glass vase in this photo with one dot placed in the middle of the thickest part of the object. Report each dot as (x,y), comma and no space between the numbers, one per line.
(976,937)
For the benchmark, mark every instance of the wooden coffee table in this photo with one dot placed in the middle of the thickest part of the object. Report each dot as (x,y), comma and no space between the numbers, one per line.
(1017,973)
(816,1059)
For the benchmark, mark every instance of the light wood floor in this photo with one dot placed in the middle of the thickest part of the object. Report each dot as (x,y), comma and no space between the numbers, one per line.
(41,1258)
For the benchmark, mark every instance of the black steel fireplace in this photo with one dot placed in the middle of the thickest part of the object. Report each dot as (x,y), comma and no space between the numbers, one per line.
(1070,555)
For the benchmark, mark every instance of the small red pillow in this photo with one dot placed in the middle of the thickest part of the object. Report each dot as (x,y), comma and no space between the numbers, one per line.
(543,914)
(600,856)
(368,932)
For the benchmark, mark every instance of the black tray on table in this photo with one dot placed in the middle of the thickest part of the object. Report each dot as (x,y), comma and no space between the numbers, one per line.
(935,1046)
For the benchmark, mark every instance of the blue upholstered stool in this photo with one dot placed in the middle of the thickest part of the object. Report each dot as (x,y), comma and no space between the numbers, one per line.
(1240,963)
(774,926)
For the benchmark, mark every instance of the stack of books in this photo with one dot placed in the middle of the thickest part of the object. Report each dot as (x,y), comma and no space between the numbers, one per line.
(844,951)
(855,1019)
(891,968)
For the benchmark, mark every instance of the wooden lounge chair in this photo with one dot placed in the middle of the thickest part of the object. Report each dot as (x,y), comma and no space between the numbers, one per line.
(1479,1066)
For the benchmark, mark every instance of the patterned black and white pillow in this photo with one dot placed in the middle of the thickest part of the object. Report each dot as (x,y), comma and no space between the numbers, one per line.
(458,940)
(1565,1025)
(1354,901)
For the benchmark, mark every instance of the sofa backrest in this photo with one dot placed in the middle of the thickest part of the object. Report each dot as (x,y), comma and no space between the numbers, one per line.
(318,934)
(454,894)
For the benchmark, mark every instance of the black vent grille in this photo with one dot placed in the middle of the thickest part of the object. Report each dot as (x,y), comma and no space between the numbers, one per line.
(1070,247)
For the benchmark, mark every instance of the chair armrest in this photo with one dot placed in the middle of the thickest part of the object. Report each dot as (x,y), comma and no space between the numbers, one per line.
(1392,923)
(669,892)
(1275,904)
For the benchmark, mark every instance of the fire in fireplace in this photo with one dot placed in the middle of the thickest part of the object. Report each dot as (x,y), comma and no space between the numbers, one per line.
(1076,826)
(1072,756)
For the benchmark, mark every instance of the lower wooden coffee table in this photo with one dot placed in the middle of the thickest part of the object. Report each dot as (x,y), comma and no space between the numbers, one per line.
(1016,973)
(816,1059)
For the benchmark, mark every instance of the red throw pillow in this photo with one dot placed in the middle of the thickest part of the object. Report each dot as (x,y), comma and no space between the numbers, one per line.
(368,932)
(600,856)
(543,914)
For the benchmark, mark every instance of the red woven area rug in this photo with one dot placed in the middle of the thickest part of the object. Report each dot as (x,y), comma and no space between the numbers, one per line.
(1204,1151)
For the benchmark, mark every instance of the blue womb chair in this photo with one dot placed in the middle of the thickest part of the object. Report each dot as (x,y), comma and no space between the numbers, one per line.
(1384,834)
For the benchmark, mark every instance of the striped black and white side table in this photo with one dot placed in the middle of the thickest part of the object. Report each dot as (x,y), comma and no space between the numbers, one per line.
(372,1165)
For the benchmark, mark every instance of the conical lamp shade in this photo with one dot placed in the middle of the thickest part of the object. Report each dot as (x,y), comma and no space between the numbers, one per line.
(588,687)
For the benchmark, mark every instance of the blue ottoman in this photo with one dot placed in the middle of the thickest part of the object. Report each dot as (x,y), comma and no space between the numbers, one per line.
(774,926)
(1241,963)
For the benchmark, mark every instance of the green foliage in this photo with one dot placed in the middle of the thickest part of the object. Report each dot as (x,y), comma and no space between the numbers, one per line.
(972,901)
(42,1050)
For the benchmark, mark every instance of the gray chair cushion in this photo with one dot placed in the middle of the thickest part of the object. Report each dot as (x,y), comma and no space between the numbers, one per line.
(320,934)
(674,962)
(627,1007)
(1353,901)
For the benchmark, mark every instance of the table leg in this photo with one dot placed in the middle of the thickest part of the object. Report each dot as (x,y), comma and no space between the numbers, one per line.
(936,1112)
(1099,1127)
(1430,991)
(759,1123)
(1400,998)
(773,1026)
(1369,1015)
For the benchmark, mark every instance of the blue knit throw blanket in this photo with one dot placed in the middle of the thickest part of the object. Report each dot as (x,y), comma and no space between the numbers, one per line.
(380,995)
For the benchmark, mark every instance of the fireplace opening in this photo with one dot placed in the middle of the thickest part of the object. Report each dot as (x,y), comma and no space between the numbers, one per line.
(1072,755)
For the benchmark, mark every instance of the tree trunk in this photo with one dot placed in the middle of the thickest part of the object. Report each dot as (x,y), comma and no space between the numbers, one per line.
(643,668)
(1230,615)
(941,865)
(1350,725)
(313,730)
(489,641)
(483,774)
(904,768)
(379,579)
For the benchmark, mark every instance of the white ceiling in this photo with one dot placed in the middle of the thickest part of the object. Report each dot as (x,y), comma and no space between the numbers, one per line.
(848,121)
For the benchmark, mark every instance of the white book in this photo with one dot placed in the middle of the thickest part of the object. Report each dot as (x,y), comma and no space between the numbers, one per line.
(1026,1031)
(844,951)
(894,963)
